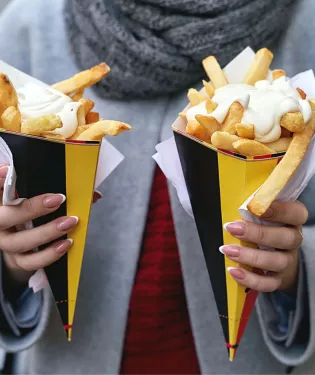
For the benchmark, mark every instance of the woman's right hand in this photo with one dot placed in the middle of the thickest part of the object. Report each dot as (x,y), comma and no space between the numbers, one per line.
(17,246)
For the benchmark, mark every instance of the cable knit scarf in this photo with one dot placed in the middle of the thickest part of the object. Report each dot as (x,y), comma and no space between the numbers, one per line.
(155,47)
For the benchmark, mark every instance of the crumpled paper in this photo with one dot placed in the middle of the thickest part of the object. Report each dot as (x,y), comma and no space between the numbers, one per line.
(168,159)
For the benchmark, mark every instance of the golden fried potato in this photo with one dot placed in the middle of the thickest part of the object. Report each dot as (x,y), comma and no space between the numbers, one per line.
(11,119)
(97,131)
(79,131)
(81,115)
(224,140)
(281,144)
(301,92)
(83,79)
(197,130)
(195,97)
(78,95)
(233,117)
(259,68)
(209,123)
(182,114)
(249,147)
(209,88)
(277,73)
(39,125)
(245,131)
(293,121)
(285,169)
(87,104)
(8,96)
(92,117)
(214,72)
(210,106)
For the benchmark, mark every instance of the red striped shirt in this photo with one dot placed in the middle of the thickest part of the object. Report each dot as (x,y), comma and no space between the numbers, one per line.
(158,337)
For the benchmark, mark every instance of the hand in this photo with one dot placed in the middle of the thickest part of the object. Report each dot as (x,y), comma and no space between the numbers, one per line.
(17,247)
(282,264)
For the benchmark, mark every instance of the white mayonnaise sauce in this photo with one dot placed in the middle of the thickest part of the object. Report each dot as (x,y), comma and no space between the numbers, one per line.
(35,100)
(264,105)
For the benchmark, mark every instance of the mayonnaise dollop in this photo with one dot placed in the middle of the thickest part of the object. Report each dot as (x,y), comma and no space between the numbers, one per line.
(264,105)
(35,100)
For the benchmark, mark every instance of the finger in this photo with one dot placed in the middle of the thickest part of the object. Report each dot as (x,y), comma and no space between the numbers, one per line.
(33,261)
(29,209)
(276,261)
(3,173)
(285,238)
(260,283)
(291,213)
(27,240)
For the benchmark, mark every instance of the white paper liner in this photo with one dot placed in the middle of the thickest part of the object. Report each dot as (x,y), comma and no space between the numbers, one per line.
(168,159)
(109,159)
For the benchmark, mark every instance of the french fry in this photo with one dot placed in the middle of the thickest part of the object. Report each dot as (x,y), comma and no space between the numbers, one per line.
(92,117)
(195,97)
(11,119)
(182,114)
(210,106)
(39,125)
(197,130)
(8,96)
(259,68)
(83,79)
(209,88)
(97,131)
(209,123)
(245,131)
(52,135)
(301,92)
(87,104)
(80,130)
(224,140)
(214,72)
(285,169)
(81,115)
(293,121)
(249,147)
(78,95)
(281,144)
(277,73)
(233,117)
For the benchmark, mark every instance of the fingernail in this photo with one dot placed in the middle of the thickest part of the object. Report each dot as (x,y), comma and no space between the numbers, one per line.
(67,223)
(237,228)
(237,273)
(3,171)
(268,214)
(54,200)
(62,246)
(229,250)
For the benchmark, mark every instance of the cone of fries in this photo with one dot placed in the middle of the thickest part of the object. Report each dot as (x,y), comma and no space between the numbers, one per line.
(51,139)
(245,132)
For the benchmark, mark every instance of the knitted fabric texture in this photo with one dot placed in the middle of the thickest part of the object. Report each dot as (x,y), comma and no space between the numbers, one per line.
(155,47)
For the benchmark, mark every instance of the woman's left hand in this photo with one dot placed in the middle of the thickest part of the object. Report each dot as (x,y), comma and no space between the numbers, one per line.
(282,264)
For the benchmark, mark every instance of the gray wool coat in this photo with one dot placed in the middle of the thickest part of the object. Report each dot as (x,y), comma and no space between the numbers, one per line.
(32,38)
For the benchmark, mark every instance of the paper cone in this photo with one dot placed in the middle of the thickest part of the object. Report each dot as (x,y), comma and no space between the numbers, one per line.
(69,168)
(51,166)
(218,182)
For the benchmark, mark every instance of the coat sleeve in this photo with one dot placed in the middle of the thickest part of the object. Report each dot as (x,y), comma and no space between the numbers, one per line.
(288,322)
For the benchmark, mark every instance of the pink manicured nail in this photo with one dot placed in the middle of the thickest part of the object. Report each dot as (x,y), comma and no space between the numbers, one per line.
(230,250)
(62,246)
(67,223)
(52,201)
(236,228)
(3,171)
(237,273)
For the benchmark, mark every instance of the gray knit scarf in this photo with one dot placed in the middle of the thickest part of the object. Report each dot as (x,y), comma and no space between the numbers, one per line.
(155,47)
